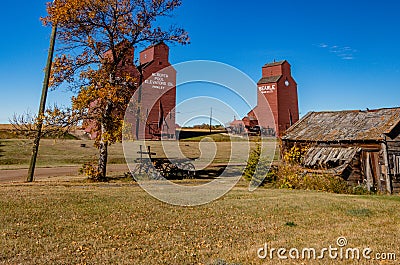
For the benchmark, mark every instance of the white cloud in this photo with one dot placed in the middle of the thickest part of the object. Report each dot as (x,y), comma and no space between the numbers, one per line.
(345,53)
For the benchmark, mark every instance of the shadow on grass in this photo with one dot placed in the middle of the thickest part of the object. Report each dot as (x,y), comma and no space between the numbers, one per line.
(204,174)
(210,173)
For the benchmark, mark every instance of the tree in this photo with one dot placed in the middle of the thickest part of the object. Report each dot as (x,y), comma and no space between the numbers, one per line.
(57,122)
(94,38)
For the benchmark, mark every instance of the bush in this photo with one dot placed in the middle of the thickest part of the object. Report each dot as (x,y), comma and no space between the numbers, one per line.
(257,169)
(295,155)
(294,177)
(290,175)
(91,171)
(361,190)
(252,162)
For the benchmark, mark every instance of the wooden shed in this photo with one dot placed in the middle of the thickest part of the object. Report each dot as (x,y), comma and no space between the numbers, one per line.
(363,147)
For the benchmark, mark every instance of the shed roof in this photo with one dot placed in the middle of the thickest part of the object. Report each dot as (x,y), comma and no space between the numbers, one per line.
(341,126)
(269,79)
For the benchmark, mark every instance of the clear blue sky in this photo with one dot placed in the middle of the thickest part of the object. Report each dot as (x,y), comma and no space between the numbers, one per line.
(344,54)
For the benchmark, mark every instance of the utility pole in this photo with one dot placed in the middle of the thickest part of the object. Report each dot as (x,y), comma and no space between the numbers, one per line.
(42,106)
(210,119)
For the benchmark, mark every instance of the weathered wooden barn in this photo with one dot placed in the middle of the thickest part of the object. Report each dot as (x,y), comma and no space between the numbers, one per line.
(363,147)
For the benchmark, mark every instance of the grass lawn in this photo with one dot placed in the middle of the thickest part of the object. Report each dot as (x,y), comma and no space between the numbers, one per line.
(118,223)
(16,153)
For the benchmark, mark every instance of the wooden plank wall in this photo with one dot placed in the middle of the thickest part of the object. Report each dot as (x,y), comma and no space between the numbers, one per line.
(394,161)
(358,165)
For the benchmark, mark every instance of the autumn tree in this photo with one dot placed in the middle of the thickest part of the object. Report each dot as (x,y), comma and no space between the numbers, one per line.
(57,122)
(93,38)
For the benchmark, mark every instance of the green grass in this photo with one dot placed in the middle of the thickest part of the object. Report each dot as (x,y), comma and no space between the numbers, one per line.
(225,137)
(220,137)
(16,153)
(81,223)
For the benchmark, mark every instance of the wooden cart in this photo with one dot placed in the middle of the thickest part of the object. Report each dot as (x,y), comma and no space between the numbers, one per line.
(156,168)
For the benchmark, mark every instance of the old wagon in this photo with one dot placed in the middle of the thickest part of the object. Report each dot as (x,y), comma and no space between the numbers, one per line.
(149,166)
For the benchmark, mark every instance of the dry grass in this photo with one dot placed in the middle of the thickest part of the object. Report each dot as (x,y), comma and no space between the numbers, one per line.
(80,223)
(16,153)
(6,127)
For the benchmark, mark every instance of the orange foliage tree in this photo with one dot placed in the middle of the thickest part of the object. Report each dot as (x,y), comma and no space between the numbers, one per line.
(94,37)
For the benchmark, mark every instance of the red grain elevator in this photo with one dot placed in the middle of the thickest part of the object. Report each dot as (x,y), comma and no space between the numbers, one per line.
(156,118)
(158,94)
(276,90)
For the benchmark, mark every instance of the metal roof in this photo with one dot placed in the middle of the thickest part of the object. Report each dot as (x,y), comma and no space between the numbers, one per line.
(338,126)
(270,79)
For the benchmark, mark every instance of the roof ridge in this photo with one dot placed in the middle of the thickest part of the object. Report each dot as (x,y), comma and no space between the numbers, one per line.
(345,125)
(275,63)
(355,110)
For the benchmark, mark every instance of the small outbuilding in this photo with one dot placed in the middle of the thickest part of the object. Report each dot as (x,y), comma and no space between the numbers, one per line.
(363,147)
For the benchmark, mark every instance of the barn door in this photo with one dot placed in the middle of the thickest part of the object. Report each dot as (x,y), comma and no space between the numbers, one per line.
(372,171)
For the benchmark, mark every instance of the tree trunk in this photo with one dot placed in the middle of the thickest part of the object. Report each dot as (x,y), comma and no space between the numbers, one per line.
(103,145)
(103,148)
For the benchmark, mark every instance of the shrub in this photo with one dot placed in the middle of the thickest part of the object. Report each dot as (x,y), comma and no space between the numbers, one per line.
(295,155)
(91,171)
(258,169)
(252,162)
(292,176)
(361,190)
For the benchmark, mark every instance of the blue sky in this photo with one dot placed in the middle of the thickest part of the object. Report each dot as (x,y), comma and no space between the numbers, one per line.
(344,54)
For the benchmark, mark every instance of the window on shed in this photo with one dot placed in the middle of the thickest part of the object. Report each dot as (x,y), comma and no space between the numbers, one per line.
(396,161)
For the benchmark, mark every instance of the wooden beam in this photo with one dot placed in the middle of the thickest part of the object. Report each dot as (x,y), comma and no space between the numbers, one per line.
(387,166)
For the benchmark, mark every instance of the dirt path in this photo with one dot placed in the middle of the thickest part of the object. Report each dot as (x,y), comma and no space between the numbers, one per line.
(55,173)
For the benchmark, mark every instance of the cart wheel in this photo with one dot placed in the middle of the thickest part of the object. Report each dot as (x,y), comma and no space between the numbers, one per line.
(190,170)
(142,171)
(167,170)
(182,172)
(155,175)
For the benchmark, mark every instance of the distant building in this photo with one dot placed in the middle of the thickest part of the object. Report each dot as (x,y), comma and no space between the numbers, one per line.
(277,102)
(158,94)
(363,147)
(237,127)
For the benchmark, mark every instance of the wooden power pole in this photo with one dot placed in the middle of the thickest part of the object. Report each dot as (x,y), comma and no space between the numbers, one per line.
(42,106)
